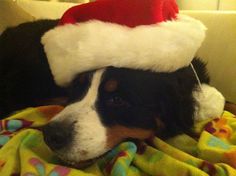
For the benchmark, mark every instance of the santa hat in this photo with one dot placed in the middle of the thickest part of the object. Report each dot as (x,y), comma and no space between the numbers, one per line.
(138,34)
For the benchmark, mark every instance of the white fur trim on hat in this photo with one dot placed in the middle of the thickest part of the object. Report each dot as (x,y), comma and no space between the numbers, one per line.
(163,47)
(210,103)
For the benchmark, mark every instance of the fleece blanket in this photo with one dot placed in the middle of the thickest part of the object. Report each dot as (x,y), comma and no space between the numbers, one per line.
(212,152)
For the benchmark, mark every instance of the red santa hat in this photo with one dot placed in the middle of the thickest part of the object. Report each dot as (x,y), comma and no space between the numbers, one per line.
(138,34)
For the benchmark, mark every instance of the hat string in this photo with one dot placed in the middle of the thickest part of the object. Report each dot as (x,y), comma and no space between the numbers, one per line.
(195,73)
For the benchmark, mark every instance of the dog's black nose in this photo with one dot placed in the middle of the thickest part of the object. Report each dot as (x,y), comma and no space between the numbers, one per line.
(57,135)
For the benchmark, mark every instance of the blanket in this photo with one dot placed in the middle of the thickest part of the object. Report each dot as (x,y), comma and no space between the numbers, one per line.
(211,152)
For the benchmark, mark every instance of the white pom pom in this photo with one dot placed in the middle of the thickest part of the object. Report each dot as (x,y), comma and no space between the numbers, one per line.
(209,103)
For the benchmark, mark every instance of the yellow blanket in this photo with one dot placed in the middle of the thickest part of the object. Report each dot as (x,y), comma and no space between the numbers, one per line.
(23,152)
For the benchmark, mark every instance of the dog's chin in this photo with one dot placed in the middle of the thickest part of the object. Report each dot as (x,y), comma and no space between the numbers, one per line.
(78,164)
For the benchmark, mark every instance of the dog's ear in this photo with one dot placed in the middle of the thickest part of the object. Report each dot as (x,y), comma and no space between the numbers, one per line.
(175,114)
(172,126)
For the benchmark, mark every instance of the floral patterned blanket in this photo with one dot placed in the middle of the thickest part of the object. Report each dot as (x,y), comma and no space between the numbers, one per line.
(213,152)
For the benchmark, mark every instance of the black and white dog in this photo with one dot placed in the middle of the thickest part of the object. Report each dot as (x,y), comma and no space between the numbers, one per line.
(103,107)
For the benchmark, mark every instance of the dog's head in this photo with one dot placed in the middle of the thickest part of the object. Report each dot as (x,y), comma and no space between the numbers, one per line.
(111,105)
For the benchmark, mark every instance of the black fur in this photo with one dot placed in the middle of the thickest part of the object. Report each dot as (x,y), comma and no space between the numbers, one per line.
(143,96)
(25,77)
(79,87)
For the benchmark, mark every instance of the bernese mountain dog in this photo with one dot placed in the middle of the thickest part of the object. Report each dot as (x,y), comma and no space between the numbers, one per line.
(102,107)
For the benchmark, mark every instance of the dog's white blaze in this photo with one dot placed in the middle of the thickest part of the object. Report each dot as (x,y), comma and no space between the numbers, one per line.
(89,140)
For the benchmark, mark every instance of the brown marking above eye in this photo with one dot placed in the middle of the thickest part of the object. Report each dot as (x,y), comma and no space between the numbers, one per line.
(111,85)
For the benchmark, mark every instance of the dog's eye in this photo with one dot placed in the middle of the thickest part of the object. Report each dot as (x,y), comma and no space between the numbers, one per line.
(117,102)
(82,78)
(79,86)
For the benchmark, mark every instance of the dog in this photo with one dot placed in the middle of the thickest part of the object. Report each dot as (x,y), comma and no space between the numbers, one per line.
(103,107)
